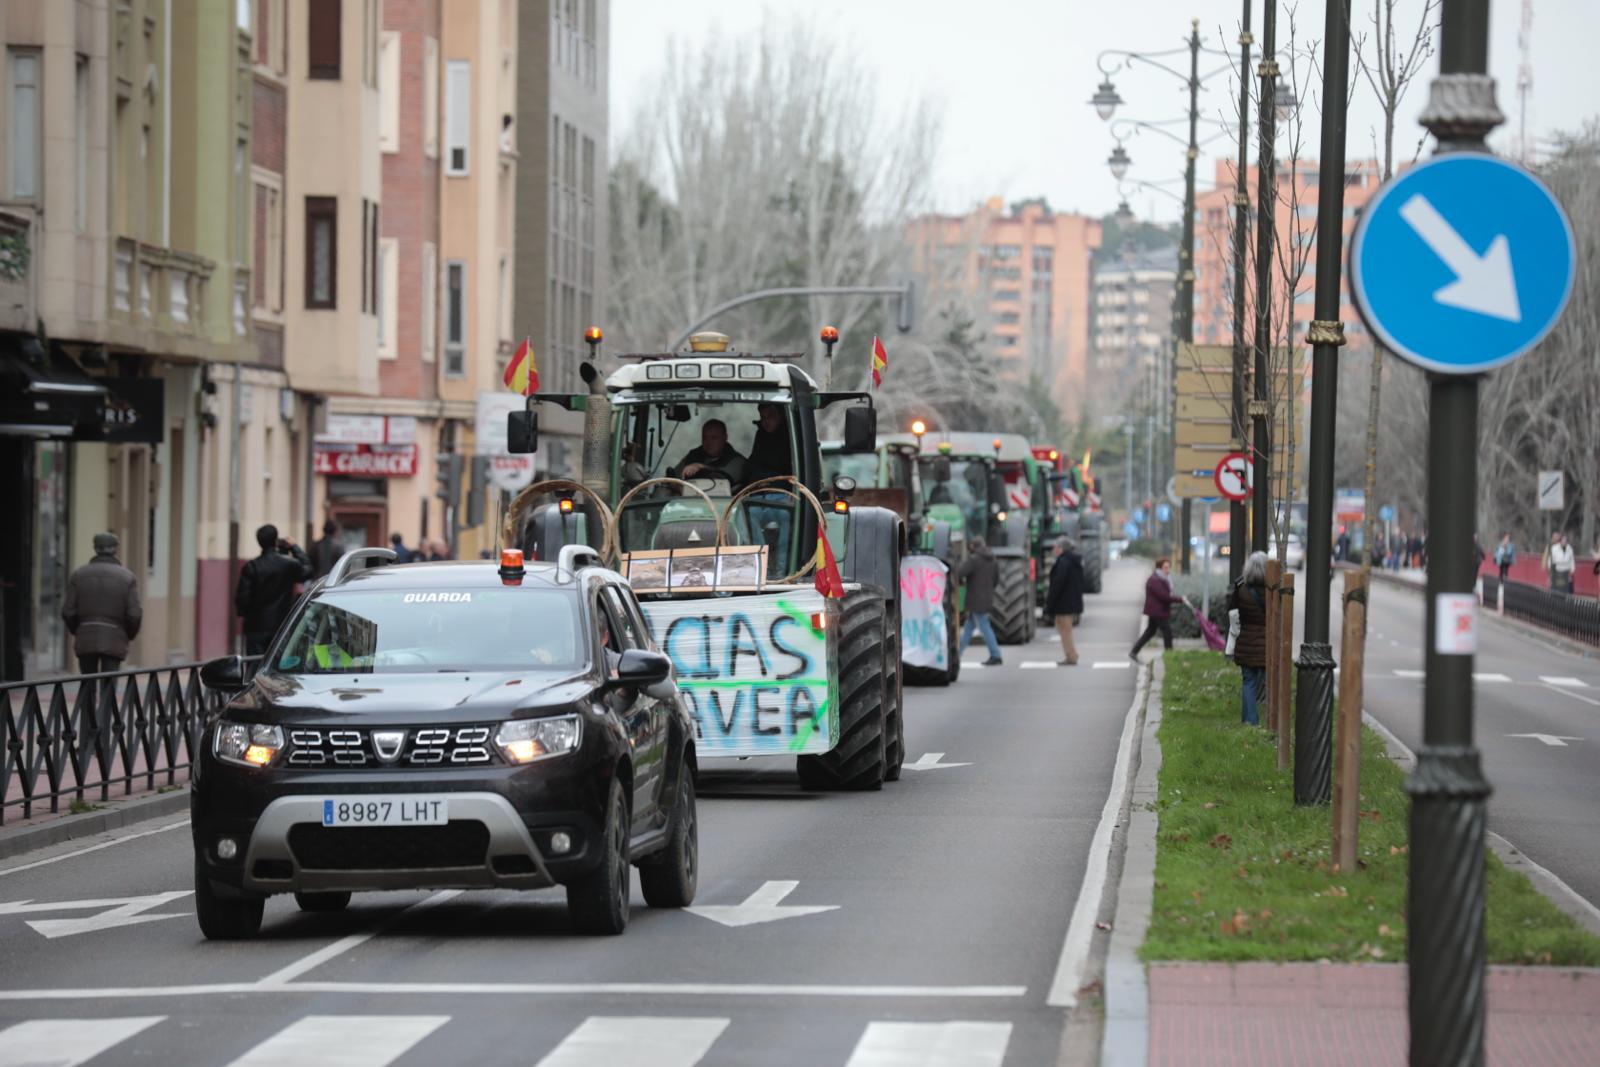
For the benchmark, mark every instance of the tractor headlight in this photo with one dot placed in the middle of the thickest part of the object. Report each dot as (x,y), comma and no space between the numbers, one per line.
(526,740)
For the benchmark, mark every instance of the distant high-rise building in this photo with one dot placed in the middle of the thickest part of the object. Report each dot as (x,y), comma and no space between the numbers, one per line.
(1131,330)
(1029,269)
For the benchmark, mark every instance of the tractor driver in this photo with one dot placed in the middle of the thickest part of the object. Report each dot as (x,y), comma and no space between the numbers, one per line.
(714,456)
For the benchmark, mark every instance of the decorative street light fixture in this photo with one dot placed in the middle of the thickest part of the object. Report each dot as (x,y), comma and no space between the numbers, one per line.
(1124,212)
(1105,100)
(1119,162)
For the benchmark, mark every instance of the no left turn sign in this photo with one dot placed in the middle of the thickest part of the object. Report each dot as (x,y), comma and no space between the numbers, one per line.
(1234,475)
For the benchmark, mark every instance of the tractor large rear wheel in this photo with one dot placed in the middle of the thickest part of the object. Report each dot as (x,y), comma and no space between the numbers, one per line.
(1013,614)
(859,760)
(894,711)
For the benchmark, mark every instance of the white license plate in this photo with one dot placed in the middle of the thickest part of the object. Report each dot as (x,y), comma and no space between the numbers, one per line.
(386,810)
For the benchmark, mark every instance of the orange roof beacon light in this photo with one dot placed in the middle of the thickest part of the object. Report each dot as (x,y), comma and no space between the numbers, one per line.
(511,569)
(708,341)
(830,335)
(997,448)
(593,336)
(565,505)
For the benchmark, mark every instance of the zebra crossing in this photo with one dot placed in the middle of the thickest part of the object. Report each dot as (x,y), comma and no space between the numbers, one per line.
(378,1040)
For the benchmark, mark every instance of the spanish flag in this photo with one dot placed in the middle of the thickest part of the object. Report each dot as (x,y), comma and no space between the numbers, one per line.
(522,373)
(880,361)
(829,584)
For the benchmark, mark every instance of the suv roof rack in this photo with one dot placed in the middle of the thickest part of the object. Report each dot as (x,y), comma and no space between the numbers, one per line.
(367,557)
(573,558)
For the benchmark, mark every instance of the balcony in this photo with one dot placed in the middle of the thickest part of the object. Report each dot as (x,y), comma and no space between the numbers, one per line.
(16,272)
(159,288)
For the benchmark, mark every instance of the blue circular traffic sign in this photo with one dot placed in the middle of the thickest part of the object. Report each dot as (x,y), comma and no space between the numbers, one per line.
(1462,264)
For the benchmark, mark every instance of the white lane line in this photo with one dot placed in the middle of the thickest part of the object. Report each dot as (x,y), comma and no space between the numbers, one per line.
(531,989)
(1080,928)
(1112,664)
(345,944)
(1564,681)
(342,1041)
(605,1041)
(973,664)
(957,1044)
(1038,665)
(66,1042)
(1402,672)
(91,848)
(1490,677)
(1575,696)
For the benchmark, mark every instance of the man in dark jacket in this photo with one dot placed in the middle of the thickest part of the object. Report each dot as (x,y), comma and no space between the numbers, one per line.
(1158,601)
(265,594)
(979,572)
(1064,598)
(326,550)
(101,609)
(1249,598)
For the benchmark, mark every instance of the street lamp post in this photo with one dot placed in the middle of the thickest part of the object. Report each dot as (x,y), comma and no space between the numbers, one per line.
(1266,210)
(1241,349)
(1313,747)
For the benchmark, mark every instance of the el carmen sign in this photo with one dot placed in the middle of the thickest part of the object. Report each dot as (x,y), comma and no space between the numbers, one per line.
(365,460)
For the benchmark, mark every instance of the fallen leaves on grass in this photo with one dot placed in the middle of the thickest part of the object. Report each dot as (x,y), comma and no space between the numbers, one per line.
(1239,924)
(1222,841)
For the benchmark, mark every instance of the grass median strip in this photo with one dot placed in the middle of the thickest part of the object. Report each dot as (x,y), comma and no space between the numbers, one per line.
(1242,874)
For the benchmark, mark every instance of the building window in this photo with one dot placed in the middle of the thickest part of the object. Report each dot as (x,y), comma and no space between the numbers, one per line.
(80,144)
(389,93)
(457,115)
(269,34)
(370,257)
(430,97)
(242,14)
(323,38)
(430,299)
(24,140)
(322,251)
(241,201)
(455,319)
(388,296)
(269,243)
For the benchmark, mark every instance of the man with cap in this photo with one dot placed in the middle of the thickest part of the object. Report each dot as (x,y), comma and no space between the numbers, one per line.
(101,609)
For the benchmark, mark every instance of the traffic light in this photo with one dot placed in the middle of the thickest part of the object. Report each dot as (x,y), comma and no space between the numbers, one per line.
(447,472)
(906,317)
(476,490)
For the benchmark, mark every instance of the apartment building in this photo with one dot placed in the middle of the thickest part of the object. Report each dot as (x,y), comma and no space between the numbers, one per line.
(1131,326)
(1029,267)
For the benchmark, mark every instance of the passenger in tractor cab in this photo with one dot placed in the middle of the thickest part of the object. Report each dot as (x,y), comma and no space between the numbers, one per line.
(771,454)
(714,457)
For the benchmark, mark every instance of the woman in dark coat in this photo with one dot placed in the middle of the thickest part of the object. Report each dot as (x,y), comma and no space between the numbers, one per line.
(1158,601)
(1249,598)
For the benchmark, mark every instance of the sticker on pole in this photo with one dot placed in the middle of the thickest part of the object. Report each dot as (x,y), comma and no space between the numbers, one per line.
(1455,624)
(1462,264)
(1234,476)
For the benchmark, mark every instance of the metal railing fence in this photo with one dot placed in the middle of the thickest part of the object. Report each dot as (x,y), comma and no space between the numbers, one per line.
(1576,617)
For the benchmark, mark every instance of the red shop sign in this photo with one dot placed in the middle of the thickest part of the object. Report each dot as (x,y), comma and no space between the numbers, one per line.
(366,461)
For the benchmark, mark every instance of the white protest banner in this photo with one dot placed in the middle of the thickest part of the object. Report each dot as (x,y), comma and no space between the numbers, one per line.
(924,630)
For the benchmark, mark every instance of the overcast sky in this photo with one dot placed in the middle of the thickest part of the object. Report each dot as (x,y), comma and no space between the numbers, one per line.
(1014,78)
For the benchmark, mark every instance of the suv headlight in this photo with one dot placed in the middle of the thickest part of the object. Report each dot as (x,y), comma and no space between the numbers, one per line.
(247,744)
(526,740)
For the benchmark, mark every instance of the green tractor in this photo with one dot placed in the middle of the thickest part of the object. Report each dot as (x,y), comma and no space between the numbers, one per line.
(703,483)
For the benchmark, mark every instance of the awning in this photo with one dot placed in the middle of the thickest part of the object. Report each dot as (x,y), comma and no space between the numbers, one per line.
(45,394)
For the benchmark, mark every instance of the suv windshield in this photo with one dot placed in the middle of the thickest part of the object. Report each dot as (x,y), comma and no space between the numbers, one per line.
(397,632)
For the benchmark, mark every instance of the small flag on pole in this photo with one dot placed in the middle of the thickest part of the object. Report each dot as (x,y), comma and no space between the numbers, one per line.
(880,361)
(522,373)
(828,581)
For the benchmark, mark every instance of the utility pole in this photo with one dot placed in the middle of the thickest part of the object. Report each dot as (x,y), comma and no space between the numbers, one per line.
(1266,209)
(1313,721)
(1186,257)
(1241,346)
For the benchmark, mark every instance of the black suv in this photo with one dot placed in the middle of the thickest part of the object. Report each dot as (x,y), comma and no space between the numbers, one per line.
(448,725)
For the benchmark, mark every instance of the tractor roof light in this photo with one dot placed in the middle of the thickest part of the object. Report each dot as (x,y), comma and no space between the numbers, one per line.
(918,427)
(708,341)
(511,567)
(593,336)
(830,335)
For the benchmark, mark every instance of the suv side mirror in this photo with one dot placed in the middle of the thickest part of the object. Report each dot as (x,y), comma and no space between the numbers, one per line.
(860,429)
(226,675)
(643,668)
(522,432)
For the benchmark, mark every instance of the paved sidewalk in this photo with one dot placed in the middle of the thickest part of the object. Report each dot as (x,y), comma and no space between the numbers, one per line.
(1336,1014)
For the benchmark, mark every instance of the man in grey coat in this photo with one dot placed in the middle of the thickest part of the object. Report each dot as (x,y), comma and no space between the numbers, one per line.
(979,572)
(102,608)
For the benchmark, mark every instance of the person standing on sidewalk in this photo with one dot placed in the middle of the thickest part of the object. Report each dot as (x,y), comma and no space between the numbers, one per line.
(1559,561)
(1158,601)
(979,573)
(265,593)
(1505,554)
(102,609)
(326,550)
(1064,598)
(1249,598)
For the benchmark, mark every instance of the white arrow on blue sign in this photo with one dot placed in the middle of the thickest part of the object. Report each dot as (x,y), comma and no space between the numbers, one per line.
(1462,264)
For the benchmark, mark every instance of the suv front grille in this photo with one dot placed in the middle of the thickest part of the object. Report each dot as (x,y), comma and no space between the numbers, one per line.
(458,746)
(458,843)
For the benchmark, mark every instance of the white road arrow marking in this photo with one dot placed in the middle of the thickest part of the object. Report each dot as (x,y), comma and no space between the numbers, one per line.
(123,911)
(763,906)
(930,762)
(1484,284)
(1550,739)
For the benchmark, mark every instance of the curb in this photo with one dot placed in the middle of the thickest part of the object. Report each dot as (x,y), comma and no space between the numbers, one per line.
(16,841)
(1558,892)
(1126,1041)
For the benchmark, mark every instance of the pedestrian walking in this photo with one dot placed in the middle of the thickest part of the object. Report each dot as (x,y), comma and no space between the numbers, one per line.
(101,609)
(265,593)
(1158,601)
(1249,598)
(1505,554)
(326,550)
(1341,546)
(402,554)
(1559,561)
(979,573)
(1064,596)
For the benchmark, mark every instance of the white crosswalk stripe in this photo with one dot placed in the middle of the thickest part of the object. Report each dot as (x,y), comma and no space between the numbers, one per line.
(342,1041)
(1112,664)
(1563,681)
(642,1041)
(66,1042)
(961,1044)
(1400,672)
(1490,677)
(1038,664)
